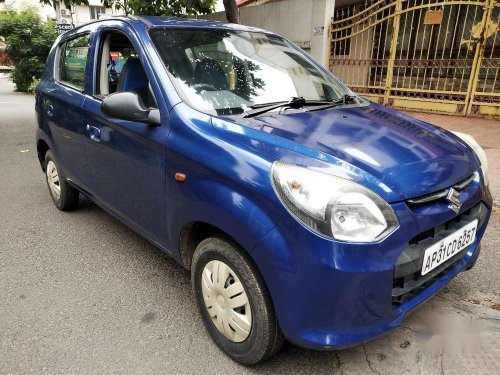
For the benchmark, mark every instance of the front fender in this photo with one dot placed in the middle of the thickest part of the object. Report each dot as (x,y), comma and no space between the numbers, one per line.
(227,184)
(218,205)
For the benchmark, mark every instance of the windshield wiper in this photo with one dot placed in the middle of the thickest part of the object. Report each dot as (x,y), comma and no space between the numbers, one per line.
(299,102)
(295,103)
(346,99)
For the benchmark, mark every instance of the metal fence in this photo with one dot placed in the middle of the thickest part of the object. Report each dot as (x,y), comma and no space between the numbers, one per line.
(433,55)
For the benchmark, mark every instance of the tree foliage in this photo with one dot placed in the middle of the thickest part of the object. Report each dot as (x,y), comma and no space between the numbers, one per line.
(28,41)
(172,8)
(169,8)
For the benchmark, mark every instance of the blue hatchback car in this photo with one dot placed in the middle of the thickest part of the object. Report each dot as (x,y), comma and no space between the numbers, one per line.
(302,210)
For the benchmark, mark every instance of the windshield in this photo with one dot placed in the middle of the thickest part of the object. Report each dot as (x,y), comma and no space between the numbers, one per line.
(230,71)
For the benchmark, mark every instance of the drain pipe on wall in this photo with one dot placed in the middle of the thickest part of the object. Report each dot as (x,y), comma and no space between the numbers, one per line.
(325,53)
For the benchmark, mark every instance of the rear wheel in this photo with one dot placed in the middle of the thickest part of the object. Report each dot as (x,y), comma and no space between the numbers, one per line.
(234,302)
(65,196)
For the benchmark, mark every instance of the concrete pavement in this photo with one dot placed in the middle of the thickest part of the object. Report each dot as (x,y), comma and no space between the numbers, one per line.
(81,293)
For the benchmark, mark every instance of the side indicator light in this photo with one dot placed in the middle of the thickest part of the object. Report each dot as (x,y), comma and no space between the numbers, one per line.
(181,177)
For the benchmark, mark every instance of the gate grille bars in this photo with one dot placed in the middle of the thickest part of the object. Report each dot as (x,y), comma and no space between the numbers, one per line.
(432,55)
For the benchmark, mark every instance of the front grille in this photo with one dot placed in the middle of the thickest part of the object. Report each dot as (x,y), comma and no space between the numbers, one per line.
(407,280)
(442,193)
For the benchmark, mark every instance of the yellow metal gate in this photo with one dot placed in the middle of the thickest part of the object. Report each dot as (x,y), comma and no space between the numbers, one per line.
(431,55)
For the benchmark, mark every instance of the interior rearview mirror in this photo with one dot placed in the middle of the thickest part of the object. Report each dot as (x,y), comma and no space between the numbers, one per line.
(128,105)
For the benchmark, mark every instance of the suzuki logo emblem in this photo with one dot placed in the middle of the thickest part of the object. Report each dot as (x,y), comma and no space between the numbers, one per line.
(454,198)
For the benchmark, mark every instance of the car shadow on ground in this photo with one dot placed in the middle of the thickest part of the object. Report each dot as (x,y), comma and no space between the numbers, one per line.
(162,279)
(175,282)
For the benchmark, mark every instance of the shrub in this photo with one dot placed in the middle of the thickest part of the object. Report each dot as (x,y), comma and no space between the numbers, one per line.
(28,41)
(33,85)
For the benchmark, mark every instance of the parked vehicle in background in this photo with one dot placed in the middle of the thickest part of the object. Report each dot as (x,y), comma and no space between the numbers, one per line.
(302,210)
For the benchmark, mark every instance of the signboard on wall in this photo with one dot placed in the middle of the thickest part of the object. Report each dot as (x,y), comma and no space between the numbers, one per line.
(63,27)
(433,17)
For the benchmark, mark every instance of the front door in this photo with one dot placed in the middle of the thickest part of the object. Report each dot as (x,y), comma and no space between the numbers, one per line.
(126,160)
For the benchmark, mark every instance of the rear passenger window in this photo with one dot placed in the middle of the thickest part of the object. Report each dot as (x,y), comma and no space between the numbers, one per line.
(72,61)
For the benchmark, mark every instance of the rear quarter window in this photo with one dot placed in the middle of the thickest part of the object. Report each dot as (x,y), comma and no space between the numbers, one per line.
(73,60)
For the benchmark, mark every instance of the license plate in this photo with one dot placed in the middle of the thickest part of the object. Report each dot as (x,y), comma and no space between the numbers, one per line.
(449,246)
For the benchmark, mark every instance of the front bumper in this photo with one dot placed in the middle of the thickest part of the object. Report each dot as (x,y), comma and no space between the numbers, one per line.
(330,295)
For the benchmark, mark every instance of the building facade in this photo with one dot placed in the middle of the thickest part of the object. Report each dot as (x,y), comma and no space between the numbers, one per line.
(80,14)
(65,17)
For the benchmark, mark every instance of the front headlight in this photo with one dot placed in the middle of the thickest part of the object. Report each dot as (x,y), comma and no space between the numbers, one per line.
(469,139)
(333,206)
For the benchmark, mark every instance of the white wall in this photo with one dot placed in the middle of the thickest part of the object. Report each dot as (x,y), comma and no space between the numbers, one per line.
(219,6)
(294,19)
(82,13)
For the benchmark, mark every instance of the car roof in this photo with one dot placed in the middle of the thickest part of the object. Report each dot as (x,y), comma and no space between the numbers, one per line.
(154,21)
(191,22)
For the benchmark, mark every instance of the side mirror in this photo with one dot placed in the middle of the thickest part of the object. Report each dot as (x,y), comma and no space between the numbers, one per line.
(128,105)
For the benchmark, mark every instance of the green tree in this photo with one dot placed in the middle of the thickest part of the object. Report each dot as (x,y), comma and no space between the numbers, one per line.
(28,41)
(172,8)
(176,8)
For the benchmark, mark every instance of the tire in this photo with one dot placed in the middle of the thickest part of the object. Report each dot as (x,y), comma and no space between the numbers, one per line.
(264,338)
(64,196)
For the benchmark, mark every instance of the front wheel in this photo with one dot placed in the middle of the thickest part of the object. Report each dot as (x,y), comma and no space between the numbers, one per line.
(234,302)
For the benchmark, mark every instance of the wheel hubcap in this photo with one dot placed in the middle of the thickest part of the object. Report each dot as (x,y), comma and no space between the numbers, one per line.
(53,180)
(226,301)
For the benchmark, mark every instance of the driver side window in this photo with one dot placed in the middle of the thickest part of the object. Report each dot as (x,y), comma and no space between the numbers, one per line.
(121,70)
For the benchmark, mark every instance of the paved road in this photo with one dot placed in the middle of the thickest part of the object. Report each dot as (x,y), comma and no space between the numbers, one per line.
(81,293)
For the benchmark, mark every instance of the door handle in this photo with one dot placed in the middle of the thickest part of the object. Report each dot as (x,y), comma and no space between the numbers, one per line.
(94,133)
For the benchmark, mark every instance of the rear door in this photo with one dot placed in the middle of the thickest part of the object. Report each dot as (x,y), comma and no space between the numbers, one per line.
(126,159)
(62,102)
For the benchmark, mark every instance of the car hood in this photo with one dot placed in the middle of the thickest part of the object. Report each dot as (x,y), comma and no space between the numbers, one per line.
(408,157)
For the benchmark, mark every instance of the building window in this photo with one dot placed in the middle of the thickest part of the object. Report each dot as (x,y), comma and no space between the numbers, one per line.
(96,11)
